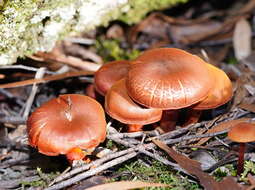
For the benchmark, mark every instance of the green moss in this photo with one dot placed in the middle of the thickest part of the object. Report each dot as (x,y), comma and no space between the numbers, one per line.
(158,173)
(27,26)
(110,50)
(249,167)
(45,178)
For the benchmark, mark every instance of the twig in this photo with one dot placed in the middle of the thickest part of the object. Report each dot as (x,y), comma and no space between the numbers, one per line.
(39,74)
(143,150)
(46,79)
(94,163)
(11,96)
(28,68)
(63,173)
(135,134)
(93,171)
(184,138)
(16,120)
(10,184)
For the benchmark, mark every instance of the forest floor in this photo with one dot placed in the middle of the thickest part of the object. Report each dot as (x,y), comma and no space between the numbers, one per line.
(198,156)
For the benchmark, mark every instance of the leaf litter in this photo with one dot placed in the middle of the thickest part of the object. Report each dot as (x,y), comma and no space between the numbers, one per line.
(225,34)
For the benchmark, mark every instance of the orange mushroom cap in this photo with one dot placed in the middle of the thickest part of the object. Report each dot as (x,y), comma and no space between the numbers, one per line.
(65,123)
(122,108)
(242,132)
(168,78)
(220,93)
(109,73)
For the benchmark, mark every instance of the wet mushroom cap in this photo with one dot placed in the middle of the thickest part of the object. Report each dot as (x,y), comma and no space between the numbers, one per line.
(67,122)
(242,132)
(109,73)
(122,108)
(220,93)
(168,78)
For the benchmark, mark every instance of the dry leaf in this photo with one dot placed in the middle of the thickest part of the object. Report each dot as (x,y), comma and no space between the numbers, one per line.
(221,127)
(195,32)
(123,185)
(248,107)
(242,39)
(194,168)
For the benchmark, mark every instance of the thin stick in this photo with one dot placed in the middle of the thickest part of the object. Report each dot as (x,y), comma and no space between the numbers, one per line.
(94,164)
(39,74)
(184,138)
(93,171)
(46,79)
(27,68)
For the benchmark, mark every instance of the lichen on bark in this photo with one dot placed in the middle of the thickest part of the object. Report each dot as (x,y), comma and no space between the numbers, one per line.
(27,26)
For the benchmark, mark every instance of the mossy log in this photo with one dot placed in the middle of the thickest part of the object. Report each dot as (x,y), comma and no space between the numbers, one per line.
(28,26)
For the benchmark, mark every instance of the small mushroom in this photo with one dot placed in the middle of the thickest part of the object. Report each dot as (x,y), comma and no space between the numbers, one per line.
(168,78)
(122,108)
(110,73)
(242,133)
(67,124)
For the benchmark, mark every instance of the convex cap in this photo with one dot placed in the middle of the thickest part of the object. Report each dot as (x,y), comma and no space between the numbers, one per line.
(168,78)
(122,108)
(220,93)
(110,73)
(242,132)
(67,122)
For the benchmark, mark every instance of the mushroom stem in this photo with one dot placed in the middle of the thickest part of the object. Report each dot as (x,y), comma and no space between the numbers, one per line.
(75,154)
(192,116)
(241,158)
(169,120)
(134,127)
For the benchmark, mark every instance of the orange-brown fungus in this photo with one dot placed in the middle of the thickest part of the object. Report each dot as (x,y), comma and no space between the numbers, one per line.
(110,73)
(168,78)
(220,93)
(65,123)
(122,108)
(242,132)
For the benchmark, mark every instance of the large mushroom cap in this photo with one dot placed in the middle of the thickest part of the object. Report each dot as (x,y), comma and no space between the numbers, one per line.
(242,132)
(67,122)
(109,73)
(220,93)
(122,108)
(168,78)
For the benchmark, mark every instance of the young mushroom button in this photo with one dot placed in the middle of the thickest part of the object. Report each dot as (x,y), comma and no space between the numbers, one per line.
(168,78)
(67,124)
(242,133)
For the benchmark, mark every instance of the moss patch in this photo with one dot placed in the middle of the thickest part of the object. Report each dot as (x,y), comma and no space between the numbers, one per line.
(156,172)
(27,26)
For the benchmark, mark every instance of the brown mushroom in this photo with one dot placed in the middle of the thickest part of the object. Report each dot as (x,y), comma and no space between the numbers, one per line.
(242,133)
(122,108)
(66,124)
(220,93)
(168,78)
(110,73)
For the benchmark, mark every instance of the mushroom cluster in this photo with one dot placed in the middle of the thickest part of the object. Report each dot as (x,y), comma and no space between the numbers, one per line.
(160,80)
(136,93)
